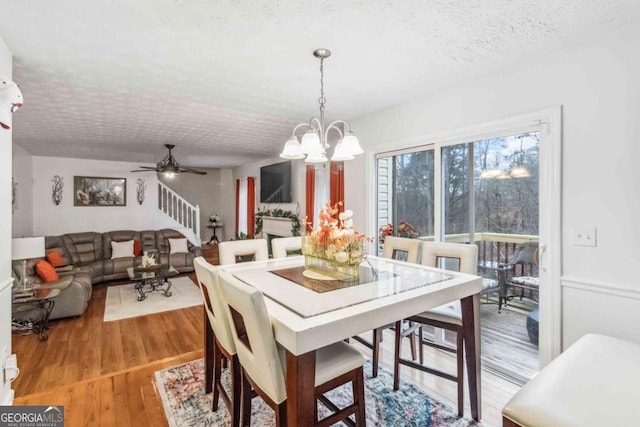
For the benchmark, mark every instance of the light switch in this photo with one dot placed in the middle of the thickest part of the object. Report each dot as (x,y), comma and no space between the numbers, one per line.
(584,236)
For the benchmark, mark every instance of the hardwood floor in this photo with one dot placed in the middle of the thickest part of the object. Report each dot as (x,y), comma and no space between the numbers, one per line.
(103,373)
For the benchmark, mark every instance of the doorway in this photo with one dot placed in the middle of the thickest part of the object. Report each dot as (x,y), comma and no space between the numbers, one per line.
(496,186)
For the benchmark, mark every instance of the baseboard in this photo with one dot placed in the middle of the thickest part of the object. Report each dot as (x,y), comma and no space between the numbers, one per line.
(8,399)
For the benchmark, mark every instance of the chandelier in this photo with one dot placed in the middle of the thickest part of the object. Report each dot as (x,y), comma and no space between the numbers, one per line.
(314,142)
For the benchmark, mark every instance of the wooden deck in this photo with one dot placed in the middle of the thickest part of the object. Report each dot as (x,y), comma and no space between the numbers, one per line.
(505,342)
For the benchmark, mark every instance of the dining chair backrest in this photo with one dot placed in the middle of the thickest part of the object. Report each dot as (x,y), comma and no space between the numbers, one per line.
(451,256)
(253,334)
(401,248)
(280,246)
(229,251)
(207,276)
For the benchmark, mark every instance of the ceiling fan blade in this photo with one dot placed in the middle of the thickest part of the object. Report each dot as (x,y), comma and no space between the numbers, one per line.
(152,168)
(190,170)
(144,170)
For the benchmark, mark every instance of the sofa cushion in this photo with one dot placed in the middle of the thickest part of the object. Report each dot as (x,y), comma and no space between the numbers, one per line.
(122,249)
(56,243)
(46,271)
(84,247)
(178,246)
(54,258)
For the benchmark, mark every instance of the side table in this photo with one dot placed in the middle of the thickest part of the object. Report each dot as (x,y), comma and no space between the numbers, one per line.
(31,309)
(214,227)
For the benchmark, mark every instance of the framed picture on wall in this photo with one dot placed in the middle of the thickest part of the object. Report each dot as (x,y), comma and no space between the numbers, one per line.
(99,191)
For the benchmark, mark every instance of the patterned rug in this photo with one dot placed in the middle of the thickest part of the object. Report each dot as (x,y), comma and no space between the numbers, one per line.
(185,403)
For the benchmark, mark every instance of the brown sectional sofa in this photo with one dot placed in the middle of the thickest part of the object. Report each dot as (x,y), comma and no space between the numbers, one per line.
(87,259)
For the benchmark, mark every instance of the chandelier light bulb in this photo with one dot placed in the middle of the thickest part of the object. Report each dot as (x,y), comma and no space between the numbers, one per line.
(351,144)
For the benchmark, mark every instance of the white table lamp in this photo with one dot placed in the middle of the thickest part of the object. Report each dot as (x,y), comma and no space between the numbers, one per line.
(26,248)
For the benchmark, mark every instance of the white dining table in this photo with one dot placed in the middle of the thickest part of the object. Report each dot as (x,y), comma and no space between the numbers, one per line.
(306,318)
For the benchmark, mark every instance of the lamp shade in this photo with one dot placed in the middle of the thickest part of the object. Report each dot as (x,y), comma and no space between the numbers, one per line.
(351,145)
(310,142)
(340,154)
(27,247)
(292,149)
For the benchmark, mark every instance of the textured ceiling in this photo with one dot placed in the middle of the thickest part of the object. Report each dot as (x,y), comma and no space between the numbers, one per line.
(226,81)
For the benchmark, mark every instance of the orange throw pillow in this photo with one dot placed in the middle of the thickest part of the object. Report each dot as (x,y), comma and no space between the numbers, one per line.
(137,250)
(55,259)
(46,271)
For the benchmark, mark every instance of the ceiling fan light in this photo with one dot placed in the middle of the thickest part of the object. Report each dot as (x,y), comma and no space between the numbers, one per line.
(317,157)
(351,144)
(292,149)
(340,153)
(310,142)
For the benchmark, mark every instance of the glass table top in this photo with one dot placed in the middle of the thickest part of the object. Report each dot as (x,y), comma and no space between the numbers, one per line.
(384,278)
(160,272)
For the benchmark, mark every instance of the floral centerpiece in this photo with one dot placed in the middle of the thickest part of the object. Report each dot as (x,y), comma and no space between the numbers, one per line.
(334,247)
(215,218)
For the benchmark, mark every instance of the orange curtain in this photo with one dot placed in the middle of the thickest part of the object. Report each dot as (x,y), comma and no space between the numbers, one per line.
(251,206)
(336,184)
(311,189)
(237,204)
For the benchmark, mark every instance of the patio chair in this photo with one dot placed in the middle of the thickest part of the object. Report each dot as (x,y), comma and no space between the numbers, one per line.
(405,250)
(525,258)
(262,359)
(243,250)
(452,256)
(219,345)
(280,247)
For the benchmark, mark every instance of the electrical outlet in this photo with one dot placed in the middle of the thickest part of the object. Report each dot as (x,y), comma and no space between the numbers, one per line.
(584,236)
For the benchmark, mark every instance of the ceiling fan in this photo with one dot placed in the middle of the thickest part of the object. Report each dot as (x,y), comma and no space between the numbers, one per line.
(169,166)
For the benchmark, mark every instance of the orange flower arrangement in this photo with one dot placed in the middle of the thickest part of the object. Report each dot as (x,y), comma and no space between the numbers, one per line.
(335,237)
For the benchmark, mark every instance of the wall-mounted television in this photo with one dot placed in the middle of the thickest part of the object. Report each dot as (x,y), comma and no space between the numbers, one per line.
(275,183)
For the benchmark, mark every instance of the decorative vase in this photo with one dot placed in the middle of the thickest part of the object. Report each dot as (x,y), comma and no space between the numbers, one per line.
(340,263)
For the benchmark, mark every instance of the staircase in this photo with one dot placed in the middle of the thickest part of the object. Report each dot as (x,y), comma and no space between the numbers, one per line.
(185,215)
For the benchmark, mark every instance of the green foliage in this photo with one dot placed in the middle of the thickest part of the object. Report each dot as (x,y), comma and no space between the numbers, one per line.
(279,213)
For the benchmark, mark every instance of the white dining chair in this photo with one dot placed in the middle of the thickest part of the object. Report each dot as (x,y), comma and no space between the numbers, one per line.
(262,359)
(230,251)
(223,344)
(452,256)
(403,249)
(282,245)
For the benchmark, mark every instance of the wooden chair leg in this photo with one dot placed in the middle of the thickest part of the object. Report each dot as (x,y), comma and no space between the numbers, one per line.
(375,347)
(217,373)
(236,388)
(421,345)
(396,360)
(358,397)
(281,414)
(460,364)
(209,344)
(412,343)
(245,406)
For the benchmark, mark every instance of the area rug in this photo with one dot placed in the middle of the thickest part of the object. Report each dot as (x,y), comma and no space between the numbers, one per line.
(185,403)
(122,301)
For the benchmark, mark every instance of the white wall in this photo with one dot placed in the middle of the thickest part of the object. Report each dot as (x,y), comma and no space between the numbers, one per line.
(23,175)
(298,190)
(597,85)
(6,394)
(49,219)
